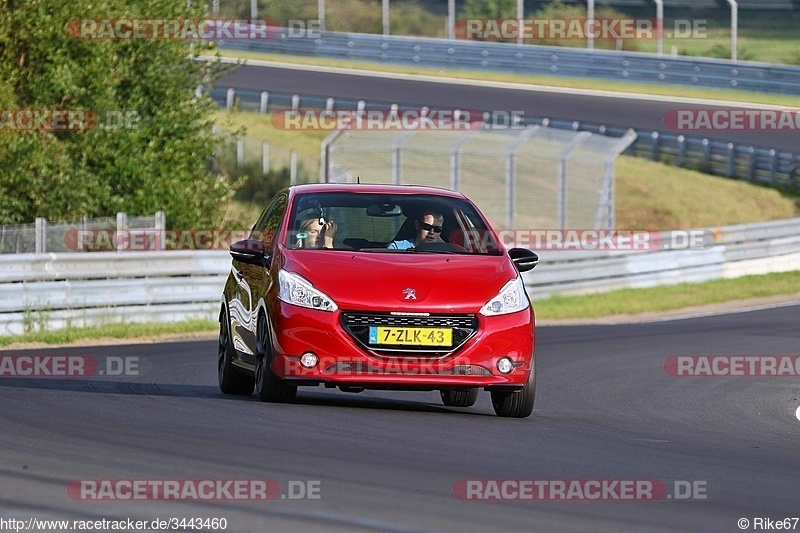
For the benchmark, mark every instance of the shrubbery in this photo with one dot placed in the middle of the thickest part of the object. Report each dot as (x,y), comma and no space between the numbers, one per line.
(163,163)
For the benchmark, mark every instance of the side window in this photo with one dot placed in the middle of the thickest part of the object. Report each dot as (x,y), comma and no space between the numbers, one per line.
(269,223)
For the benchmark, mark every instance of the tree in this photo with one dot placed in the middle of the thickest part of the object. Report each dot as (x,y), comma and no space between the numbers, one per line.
(490,9)
(159,162)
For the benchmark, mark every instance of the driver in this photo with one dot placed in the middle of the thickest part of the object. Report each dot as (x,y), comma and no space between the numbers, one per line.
(429,229)
(317,235)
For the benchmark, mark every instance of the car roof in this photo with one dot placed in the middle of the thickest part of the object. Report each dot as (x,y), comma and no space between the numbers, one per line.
(365,188)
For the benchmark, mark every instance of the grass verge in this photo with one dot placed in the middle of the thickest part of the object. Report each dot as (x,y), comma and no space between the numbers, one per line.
(649,195)
(667,297)
(549,81)
(112,331)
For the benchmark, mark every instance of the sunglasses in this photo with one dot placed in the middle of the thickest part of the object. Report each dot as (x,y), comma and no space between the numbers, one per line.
(430,227)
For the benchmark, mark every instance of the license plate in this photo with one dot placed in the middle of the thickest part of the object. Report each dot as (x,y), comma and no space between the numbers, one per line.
(411,336)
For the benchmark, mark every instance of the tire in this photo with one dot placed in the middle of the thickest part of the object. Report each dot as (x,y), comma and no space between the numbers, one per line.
(460,398)
(517,404)
(269,387)
(231,380)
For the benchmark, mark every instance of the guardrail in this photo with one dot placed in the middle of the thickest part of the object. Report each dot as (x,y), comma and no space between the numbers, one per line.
(738,251)
(57,290)
(766,166)
(535,60)
(54,291)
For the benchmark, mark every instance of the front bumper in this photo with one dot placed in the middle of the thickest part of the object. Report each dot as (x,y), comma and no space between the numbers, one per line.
(344,362)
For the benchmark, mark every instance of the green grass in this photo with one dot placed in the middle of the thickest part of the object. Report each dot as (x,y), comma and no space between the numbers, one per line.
(768,45)
(649,195)
(654,195)
(549,81)
(668,297)
(111,331)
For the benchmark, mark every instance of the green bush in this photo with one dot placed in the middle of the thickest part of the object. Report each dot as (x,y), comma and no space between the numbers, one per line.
(160,163)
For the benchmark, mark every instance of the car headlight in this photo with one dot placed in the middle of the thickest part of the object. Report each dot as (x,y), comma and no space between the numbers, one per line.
(294,289)
(512,298)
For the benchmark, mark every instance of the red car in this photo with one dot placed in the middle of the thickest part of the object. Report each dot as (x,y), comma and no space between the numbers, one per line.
(378,287)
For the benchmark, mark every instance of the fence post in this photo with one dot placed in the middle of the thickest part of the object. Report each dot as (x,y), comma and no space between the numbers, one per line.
(41,232)
(82,235)
(731,159)
(253,9)
(511,171)
(773,167)
(239,151)
(293,168)
(753,164)
(264,102)
(397,163)
(706,153)
(656,144)
(681,150)
(329,105)
(161,229)
(265,157)
(122,225)
(295,102)
(455,168)
(230,99)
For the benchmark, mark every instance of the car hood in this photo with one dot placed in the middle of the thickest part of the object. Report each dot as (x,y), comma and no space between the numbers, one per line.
(378,281)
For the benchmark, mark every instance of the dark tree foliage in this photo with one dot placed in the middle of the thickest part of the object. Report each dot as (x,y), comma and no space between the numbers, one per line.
(158,162)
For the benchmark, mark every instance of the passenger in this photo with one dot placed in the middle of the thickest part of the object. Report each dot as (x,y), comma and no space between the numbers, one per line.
(429,229)
(317,235)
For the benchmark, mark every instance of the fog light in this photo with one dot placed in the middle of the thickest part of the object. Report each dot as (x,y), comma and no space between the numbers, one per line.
(309,360)
(505,365)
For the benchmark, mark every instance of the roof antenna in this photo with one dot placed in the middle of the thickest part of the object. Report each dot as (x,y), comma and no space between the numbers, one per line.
(358,180)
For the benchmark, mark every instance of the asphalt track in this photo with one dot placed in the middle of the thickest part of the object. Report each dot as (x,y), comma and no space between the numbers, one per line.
(626,111)
(388,461)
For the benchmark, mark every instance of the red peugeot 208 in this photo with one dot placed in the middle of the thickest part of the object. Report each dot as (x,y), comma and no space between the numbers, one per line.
(378,287)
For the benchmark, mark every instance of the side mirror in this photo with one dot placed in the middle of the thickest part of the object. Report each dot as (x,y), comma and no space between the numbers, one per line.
(250,251)
(523,259)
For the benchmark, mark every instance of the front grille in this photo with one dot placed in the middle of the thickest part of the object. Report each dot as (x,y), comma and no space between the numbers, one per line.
(358,324)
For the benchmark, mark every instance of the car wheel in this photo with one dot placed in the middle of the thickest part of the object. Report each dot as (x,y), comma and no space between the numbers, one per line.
(459,398)
(269,387)
(231,380)
(517,404)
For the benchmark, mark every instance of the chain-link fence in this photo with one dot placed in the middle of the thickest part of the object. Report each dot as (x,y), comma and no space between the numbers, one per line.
(532,177)
(84,235)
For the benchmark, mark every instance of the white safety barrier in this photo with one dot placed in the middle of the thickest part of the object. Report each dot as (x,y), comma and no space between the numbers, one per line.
(54,291)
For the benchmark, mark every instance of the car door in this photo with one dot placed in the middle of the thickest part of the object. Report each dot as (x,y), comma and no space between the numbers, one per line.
(252,279)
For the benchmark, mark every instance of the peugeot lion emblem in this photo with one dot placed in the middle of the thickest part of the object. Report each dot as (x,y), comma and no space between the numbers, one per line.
(411,294)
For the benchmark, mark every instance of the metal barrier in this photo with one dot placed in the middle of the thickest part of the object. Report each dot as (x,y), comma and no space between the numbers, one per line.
(57,290)
(552,178)
(46,236)
(766,166)
(535,60)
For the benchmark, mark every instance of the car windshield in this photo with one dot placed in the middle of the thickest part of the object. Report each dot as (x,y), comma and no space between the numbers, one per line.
(389,223)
